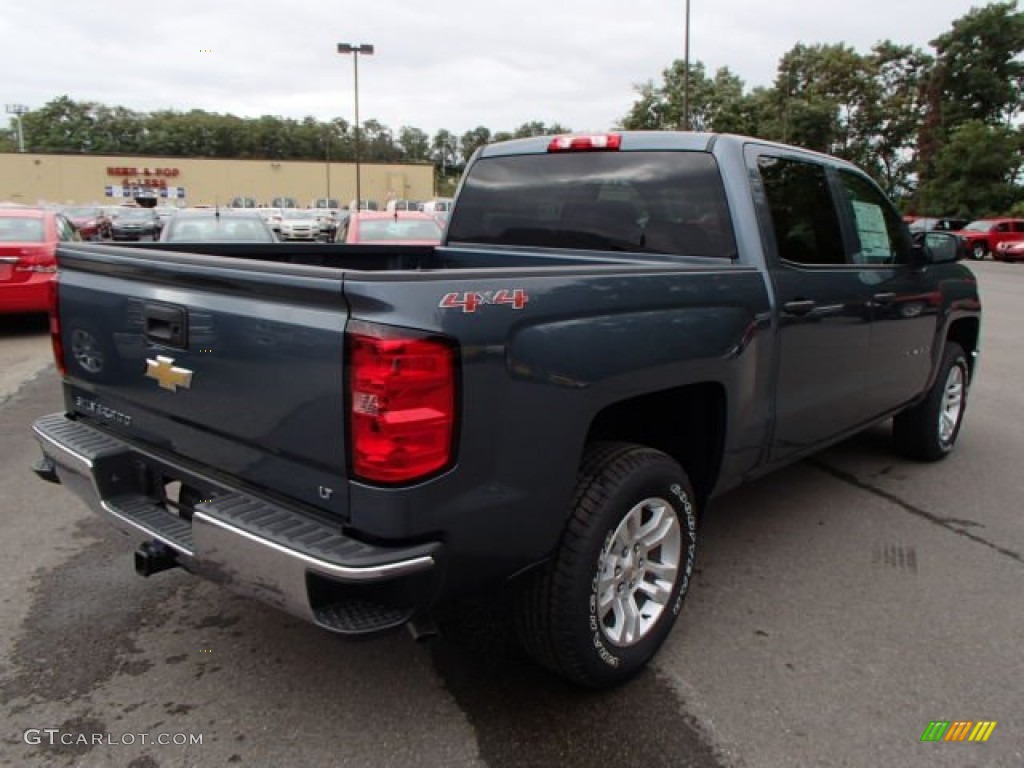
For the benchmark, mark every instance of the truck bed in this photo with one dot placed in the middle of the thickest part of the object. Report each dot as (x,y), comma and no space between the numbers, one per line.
(376,258)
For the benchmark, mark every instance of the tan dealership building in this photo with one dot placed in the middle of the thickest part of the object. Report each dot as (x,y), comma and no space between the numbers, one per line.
(33,179)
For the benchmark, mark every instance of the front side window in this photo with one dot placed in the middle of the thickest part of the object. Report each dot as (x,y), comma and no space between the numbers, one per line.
(65,231)
(803,214)
(643,201)
(879,229)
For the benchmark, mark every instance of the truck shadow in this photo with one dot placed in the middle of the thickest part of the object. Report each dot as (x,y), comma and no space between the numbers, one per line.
(523,715)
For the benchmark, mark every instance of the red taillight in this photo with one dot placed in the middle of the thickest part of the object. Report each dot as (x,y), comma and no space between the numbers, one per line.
(37,259)
(585,143)
(53,291)
(402,404)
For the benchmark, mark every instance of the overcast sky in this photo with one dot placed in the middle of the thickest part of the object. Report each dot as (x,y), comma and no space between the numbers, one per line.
(452,64)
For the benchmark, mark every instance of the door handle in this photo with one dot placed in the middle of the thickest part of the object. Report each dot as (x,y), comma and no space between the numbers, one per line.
(884,298)
(799,307)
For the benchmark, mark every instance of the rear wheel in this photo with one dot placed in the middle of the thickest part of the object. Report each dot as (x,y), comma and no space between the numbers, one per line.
(604,604)
(978,251)
(929,430)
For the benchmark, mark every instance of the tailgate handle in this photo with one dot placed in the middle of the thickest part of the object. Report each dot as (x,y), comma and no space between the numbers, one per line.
(166,325)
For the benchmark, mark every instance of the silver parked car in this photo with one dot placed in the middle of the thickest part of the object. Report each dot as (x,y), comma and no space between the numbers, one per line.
(300,224)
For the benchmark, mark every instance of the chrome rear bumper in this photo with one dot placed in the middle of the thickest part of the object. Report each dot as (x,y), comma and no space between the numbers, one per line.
(284,556)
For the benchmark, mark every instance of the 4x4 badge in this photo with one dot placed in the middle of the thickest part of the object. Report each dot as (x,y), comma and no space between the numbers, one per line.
(167,375)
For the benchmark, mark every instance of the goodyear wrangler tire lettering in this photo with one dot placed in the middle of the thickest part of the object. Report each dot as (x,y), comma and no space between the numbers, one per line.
(604,604)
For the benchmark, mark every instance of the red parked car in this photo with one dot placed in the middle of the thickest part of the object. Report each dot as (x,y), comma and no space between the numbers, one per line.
(90,221)
(28,257)
(391,227)
(984,236)
(1009,251)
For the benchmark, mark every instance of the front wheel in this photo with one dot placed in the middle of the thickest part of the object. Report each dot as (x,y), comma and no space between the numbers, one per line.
(600,609)
(928,431)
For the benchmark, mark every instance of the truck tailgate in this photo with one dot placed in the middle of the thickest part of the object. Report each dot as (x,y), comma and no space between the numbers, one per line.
(231,364)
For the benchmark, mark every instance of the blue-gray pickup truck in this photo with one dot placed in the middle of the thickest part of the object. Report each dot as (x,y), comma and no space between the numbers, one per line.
(615,329)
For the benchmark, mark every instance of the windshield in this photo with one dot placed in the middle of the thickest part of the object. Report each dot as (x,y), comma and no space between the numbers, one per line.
(661,202)
(20,230)
(981,226)
(135,213)
(300,214)
(82,213)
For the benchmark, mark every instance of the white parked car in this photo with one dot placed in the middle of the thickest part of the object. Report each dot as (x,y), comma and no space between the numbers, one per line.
(403,205)
(364,205)
(300,224)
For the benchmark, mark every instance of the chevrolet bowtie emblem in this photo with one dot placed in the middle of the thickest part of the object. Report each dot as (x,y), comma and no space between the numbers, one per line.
(167,375)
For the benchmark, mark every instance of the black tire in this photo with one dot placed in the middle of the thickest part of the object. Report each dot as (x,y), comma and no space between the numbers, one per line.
(559,619)
(918,431)
(979,251)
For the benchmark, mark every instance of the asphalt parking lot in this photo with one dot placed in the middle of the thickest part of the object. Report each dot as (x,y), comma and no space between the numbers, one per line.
(840,606)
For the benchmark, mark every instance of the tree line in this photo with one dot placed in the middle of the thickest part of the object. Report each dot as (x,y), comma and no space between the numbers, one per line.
(939,131)
(66,125)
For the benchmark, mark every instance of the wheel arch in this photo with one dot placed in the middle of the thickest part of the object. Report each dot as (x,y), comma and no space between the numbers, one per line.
(688,423)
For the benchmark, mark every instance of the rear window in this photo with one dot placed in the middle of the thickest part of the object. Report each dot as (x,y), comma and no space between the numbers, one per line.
(21,230)
(654,202)
(381,230)
(218,230)
(980,226)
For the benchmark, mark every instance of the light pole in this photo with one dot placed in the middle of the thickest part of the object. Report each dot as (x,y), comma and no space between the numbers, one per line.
(686,72)
(327,163)
(355,50)
(18,110)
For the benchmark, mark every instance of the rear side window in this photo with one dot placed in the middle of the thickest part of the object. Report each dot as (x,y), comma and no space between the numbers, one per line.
(654,202)
(64,230)
(803,213)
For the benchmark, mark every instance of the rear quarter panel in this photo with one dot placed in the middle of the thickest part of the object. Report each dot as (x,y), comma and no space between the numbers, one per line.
(533,380)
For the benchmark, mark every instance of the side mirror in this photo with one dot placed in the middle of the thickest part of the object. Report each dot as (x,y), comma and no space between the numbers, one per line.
(938,248)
